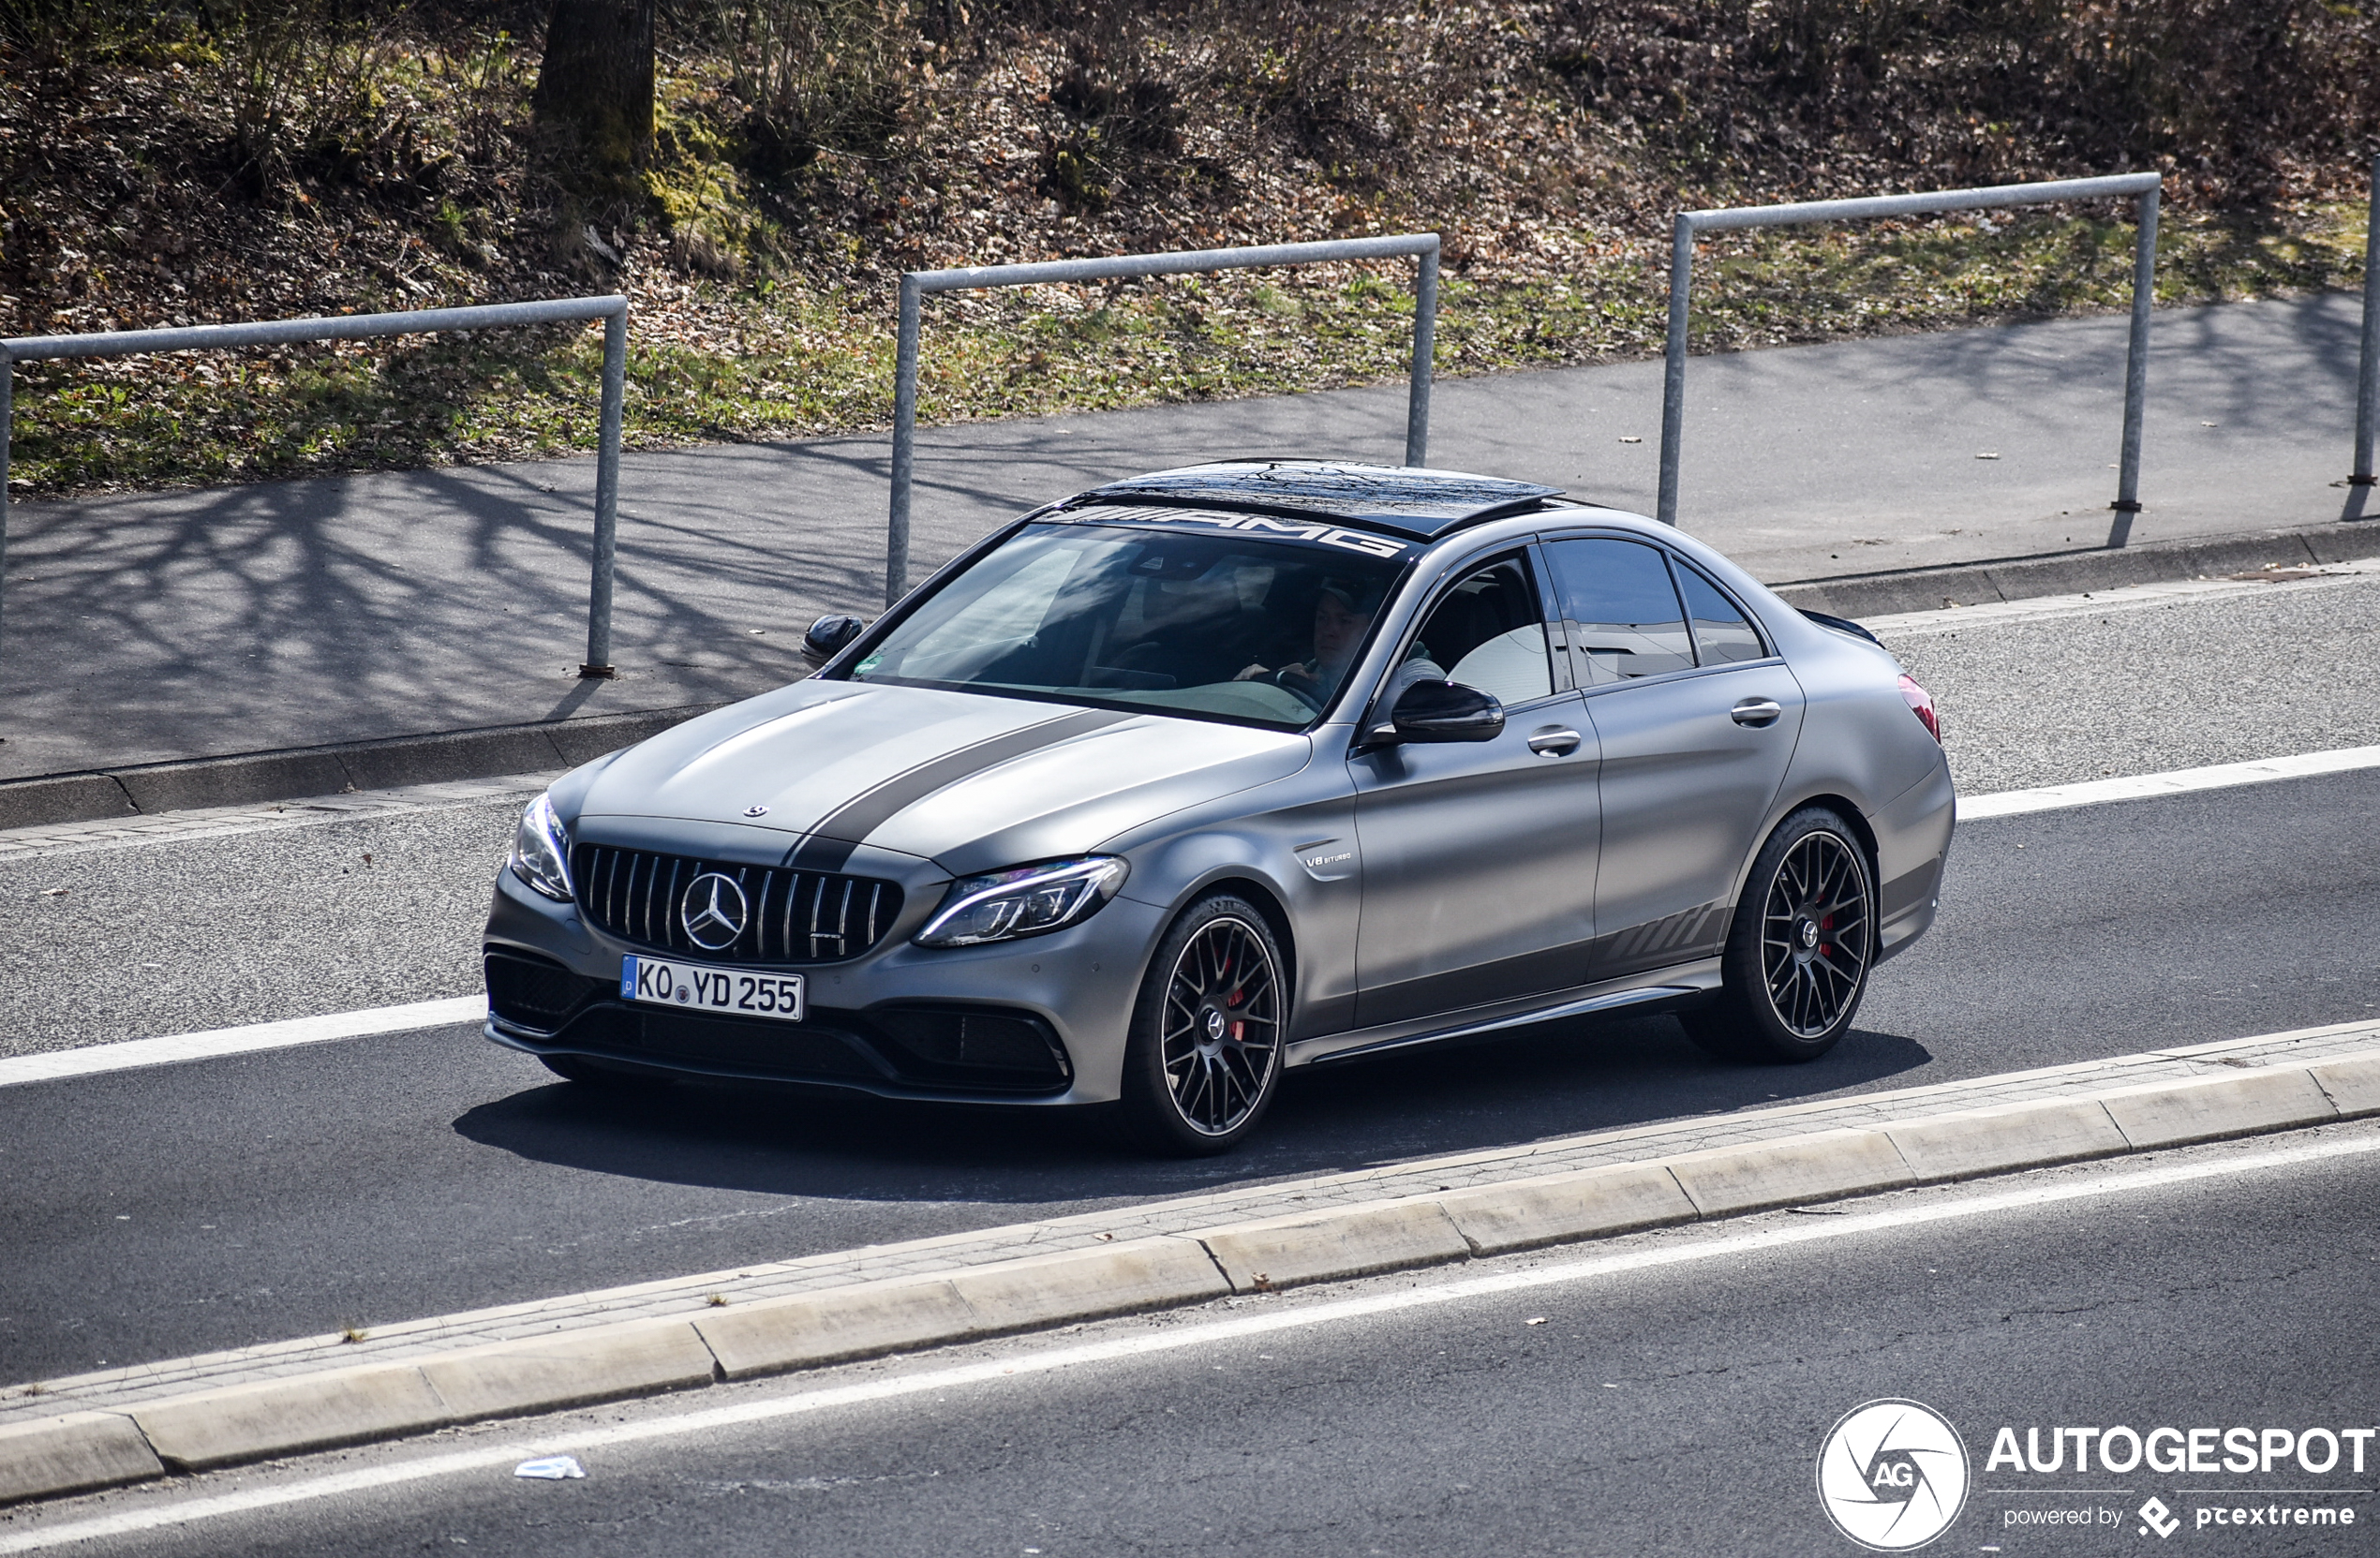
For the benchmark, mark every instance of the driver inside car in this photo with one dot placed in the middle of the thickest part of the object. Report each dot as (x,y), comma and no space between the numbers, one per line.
(1343,615)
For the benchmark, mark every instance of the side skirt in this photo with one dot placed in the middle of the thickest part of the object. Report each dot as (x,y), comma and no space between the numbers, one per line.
(1682,982)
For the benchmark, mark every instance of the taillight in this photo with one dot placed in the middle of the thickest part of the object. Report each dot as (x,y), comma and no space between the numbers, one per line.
(1921,704)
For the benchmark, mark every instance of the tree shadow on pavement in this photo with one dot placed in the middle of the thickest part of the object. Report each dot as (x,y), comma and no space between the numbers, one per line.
(1556,1080)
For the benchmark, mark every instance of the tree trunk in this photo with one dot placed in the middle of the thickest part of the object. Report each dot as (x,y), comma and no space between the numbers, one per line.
(596,84)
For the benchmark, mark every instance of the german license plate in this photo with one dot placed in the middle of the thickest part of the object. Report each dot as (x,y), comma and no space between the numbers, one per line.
(690,986)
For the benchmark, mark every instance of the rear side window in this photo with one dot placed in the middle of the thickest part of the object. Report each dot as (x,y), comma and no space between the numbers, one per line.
(1621,612)
(1721,632)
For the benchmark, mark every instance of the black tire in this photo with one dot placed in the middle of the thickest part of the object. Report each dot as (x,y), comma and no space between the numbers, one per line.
(1203,1059)
(1800,948)
(597,1075)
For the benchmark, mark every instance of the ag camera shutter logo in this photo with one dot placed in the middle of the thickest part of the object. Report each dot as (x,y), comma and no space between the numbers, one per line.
(1893,1475)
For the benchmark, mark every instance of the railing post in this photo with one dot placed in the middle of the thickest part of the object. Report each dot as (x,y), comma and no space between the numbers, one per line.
(1425,336)
(904,445)
(1673,364)
(2368,378)
(8,422)
(2144,298)
(598,589)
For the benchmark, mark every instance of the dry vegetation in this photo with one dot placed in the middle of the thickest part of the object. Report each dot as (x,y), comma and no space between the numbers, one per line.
(213,159)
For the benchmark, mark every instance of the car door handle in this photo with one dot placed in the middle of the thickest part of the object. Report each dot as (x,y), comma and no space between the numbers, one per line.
(1757,711)
(1553,741)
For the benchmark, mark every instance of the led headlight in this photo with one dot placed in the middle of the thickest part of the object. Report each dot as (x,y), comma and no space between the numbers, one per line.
(1022,902)
(542,851)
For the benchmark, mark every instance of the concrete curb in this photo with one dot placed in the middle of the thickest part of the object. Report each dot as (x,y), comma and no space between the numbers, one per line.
(246,779)
(1857,595)
(78,1451)
(438,757)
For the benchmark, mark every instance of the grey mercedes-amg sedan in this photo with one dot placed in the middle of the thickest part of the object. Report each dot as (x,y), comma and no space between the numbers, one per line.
(1180,782)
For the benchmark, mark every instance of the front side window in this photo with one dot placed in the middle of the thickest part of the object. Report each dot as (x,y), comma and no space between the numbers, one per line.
(1246,628)
(1623,610)
(1487,632)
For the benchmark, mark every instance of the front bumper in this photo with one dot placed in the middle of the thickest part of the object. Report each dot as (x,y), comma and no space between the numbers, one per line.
(1038,1021)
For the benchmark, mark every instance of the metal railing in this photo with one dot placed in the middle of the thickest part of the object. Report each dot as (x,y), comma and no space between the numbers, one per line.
(2142,188)
(916,284)
(2368,375)
(612,310)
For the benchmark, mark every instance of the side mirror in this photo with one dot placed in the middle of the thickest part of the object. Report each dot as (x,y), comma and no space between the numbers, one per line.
(830,636)
(1444,711)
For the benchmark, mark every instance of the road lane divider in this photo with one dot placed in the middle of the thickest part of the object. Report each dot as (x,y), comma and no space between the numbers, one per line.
(93,1060)
(605,1364)
(2255,1101)
(1561,1208)
(500,1455)
(250,1422)
(870,1319)
(1356,1241)
(2092,1110)
(1119,1278)
(1727,1182)
(1970,1144)
(73,1453)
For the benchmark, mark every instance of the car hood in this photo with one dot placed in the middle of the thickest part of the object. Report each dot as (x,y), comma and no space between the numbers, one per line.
(970,781)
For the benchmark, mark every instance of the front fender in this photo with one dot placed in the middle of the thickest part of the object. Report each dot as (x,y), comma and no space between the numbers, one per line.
(1299,854)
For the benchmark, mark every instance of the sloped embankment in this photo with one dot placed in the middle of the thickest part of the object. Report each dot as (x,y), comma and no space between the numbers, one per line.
(165,164)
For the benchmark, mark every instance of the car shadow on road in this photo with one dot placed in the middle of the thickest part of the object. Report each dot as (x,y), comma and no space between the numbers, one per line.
(1557,1080)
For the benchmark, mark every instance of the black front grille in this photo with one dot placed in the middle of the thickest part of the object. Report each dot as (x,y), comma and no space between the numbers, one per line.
(791,916)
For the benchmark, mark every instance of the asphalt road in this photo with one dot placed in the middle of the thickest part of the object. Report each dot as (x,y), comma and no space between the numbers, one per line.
(2279,669)
(1667,1408)
(162,1212)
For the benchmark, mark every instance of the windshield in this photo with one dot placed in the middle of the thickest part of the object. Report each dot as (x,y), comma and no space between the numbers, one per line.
(1222,626)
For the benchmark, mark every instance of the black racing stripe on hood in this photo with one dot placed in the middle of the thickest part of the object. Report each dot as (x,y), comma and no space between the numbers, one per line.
(841,830)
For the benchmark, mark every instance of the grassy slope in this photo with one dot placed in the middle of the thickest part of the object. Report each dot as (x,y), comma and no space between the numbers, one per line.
(762,307)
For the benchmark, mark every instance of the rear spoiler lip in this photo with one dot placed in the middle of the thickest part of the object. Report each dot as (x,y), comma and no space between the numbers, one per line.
(1841,624)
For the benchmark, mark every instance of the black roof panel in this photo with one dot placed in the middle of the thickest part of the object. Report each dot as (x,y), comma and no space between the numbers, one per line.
(1405,501)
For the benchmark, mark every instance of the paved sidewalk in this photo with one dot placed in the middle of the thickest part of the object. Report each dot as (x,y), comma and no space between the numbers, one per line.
(57,839)
(120,1389)
(182,625)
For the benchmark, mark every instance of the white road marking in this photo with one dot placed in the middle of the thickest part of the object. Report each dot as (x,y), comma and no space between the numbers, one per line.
(503,1457)
(2124,598)
(94,1058)
(2053,797)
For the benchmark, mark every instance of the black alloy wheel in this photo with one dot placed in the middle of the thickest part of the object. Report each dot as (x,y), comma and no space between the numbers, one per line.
(1799,950)
(1814,934)
(1205,1054)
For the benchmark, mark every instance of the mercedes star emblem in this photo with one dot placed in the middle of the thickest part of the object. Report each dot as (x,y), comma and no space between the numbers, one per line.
(713,912)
